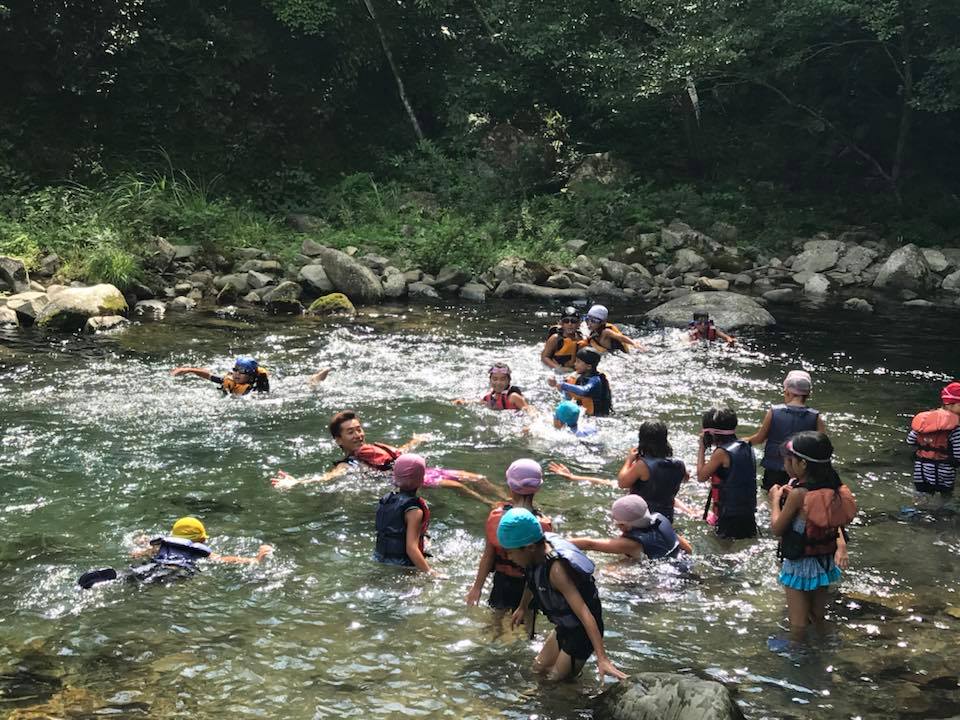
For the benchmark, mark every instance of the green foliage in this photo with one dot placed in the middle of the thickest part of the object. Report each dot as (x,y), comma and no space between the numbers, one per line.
(108,264)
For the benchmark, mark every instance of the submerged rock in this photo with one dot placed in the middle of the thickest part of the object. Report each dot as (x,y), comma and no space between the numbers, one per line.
(105,322)
(70,308)
(656,696)
(858,304)
(332,304)
(729,310)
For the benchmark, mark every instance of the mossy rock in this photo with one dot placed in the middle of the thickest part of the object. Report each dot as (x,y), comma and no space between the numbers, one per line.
(332,304)
(69,309)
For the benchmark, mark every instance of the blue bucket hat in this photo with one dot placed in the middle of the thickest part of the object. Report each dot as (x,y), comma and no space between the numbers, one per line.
(567,412)
(518,528)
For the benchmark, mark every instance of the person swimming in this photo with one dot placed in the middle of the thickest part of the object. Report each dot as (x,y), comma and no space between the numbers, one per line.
(503,394)
(642,533)
(247,376)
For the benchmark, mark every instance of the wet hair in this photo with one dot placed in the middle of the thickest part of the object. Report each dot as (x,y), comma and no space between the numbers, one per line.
(652,440)
(338,420)
(701,315)
(717,418)
(500,368)
(590,356)
(815,445)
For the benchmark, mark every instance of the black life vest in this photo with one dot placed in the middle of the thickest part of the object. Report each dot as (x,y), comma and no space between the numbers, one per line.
(659,540)
(566,352)
(392,526)
(737,493)
(600,406)
(502,563)
(229,386)
(501,401)
(375,455)
(786,421)
(550,600)
(179,552)
(666,475)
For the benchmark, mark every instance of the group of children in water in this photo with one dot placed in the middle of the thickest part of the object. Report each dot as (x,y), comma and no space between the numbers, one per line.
(533,568)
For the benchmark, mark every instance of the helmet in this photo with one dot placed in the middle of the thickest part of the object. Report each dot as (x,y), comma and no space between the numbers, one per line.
(246,365)
(589,356)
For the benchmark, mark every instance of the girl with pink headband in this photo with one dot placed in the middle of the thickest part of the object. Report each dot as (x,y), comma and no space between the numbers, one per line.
(732,474)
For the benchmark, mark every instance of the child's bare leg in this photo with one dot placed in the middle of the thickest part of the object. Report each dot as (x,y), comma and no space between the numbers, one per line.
(798,610)
(481,481)
(547,657)
(818,610)
(464,490)
(562,668)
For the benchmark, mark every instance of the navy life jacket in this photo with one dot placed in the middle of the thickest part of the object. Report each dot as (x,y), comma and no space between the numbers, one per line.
(666,474)
(659,539)
(786,422)
(550,600)
(392,526)
(738,483)
(600,405)
(179,552)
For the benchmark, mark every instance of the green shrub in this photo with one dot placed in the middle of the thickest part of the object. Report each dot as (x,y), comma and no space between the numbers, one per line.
(109,264)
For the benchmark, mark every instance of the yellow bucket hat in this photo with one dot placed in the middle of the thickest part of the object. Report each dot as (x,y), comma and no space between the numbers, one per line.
(189,528)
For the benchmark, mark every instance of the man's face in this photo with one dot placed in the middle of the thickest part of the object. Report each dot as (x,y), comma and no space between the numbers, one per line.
(351,435)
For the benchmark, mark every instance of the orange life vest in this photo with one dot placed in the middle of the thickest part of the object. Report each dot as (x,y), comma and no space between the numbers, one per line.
(594,341)
(827,511)
(933,429)
(566,353)
(232,387)
(501,562)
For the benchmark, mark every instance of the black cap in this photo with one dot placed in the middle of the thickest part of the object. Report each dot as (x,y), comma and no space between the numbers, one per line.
(589,356)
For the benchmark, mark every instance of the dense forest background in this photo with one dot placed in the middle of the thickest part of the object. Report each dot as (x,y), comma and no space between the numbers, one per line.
(457,130)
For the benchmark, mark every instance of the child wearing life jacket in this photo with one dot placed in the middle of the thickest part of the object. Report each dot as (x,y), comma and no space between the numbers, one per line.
(783,421)
(651,471)
(642,534)
(604,337)
(563,341)
(172,557)
(560,577)
(403,517)
(808,517)
(936,436)
(732,474)
(524,478)
(702,329)
(503,395)
(246,377)
(589,388)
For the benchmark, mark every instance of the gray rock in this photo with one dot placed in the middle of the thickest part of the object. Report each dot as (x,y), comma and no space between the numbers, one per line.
(7,316)
(953,258)
(574,246)
(584,266)
(157,308)
(244,254)
(14,275)
(304,223)
(350,250)
(27,305)
(602,168)
(257,280)
(679,292)
(503,289)
(513,269)
(395,286)
(690,279)
(817,286)
(391,270)
(270,267)
(918,303)
(70,308)
(428,279)
(905,268)
(842,279)
(686,260)
(377,263)
(780,295)
(648,241)
(711,284)
(196,294)
(605,289)
(422,290)
(539,292)
(201,278)
(638,281)
(314,277)
(182,304)
(182,288)
(104,323)
(412,276)
(729,310)
(252,297)
(49,265)
(858,304)
(474,292)
(799,278)
(311,248)
(614,271)
(951,283)
(228,295)
(559,280)
(237,281)
(858,235)
(284,298)
(743,280)
(676,235)
(817,256)
(935,259)
(908,295)
(661,696)
(725,232)
(576,277)
(54,289)
(162,256)
(184,252)
(350,277)
(450,275)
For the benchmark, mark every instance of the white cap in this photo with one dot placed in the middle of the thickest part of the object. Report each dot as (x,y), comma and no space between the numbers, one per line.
(598,312)
(798,382)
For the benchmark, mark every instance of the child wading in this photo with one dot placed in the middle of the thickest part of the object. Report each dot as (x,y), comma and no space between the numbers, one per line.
(936,436)
(560,576)
(781,422)
(524,478)
(589,387)
(643,534)
(651,471)
(808,518)
(403,517)
(732,474)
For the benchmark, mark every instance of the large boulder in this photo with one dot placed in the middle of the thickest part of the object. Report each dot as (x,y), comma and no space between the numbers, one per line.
(395,285)
(729,310)
(13,273)
(513,269)
(614,271)
(686,260)
(315,279)
(906,268)
(452,275)
(352,278)
(816,286)
(474,292)
(27,305)
(70,308)
(332,304)
(817,256)
(284,298)
(951,283)
(663,696)
(936,259)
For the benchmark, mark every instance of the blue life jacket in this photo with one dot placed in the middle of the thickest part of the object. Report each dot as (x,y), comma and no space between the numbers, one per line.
(179,552)
(392,527)
(666,474)
(550,600)
(786,422)
(738,483)
(659,539)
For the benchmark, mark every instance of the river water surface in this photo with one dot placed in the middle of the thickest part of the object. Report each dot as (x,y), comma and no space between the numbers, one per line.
(100,444)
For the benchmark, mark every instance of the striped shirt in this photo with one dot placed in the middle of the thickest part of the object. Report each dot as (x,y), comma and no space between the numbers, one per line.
(934,475)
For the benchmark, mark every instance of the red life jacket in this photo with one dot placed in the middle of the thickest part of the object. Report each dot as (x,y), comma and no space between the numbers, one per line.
(501,401)
(933,429)
(827,511)
(501,562)
(695,333)
(376,455)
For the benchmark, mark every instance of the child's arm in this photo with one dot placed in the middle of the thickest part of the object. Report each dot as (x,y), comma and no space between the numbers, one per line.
(561,581)
(318,377)
(620,337)
(706,469)
(413,442)
(550,347)
(516,401)
(840,557)
(199,372)
(614,546)
(486,566)
(632,471)
(821,425)
(761,435)
(263,552)
(780,519)
(729,339)
(414,519)
(521,612)
(563,471)
(686,510)
(284,481)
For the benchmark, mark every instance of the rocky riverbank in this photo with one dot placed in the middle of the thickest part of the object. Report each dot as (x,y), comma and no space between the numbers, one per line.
(856,268)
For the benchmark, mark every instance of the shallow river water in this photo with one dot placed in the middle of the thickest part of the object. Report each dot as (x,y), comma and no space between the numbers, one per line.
(100,444)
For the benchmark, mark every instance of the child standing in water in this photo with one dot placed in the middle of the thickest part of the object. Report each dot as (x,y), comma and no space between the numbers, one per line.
(403,517)
(560,576)
(589,388)
(732,473)
(781,422)
(936,436)
(524,478)
(808,518)
(503,395)
(651,471)
(642,533)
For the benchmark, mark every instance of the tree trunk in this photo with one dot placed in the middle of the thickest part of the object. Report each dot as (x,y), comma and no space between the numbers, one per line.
(906,116)
(396,73)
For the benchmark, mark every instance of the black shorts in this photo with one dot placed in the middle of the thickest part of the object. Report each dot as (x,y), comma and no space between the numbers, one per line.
(737,527)
(506,591)
(575,642)
(773,477)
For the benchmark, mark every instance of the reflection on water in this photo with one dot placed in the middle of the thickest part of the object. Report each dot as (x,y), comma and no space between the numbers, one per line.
(101,444)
